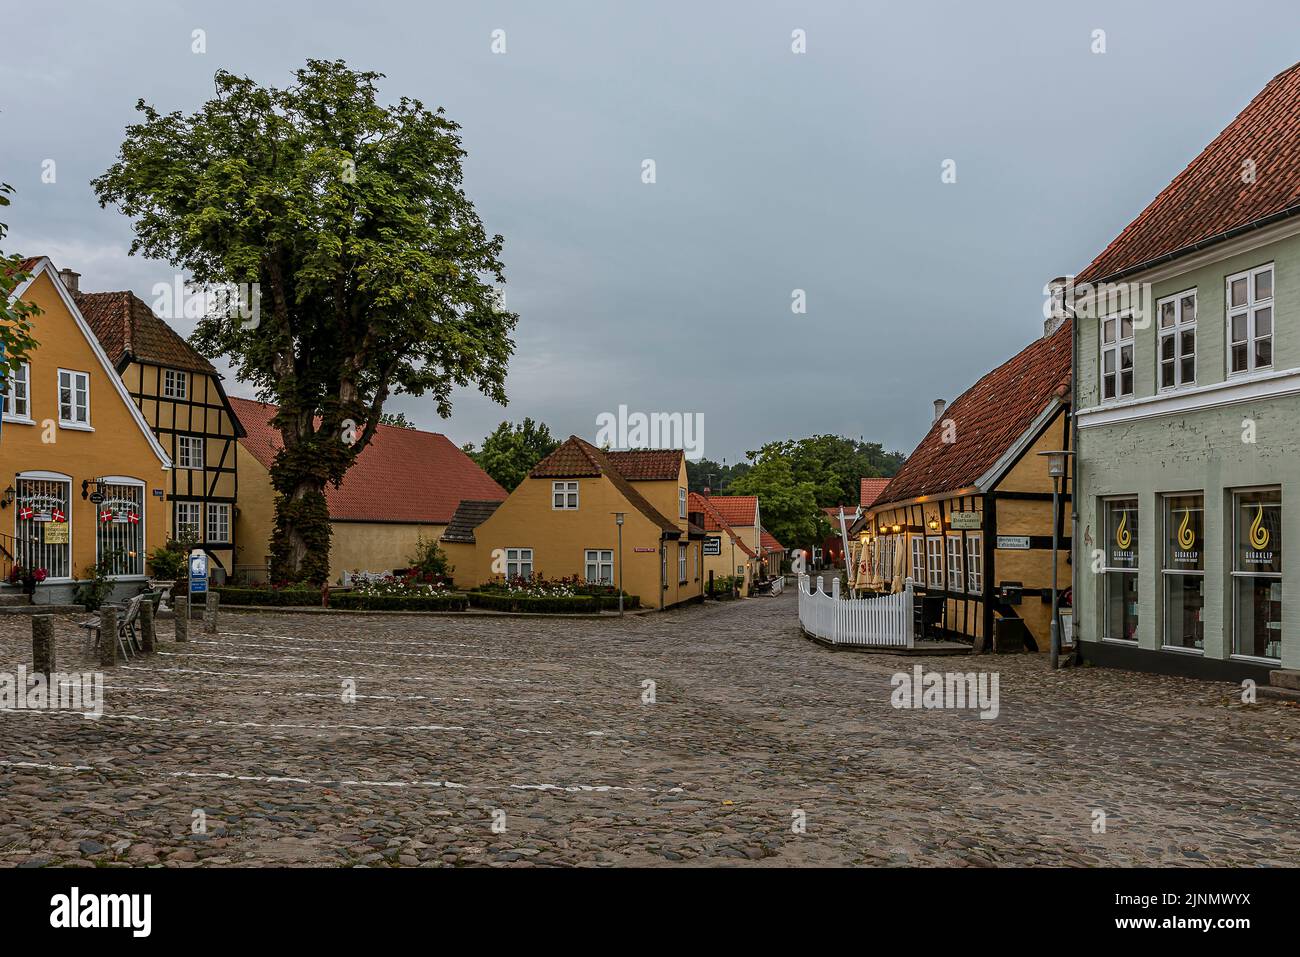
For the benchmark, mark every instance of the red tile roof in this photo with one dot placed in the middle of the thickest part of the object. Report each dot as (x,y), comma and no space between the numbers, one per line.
(1210,198)
(870,490)
(738,510)
(770,542)
(714,522)
(648,465)
(578,458)
(988,418)
(126,326)
(404,475)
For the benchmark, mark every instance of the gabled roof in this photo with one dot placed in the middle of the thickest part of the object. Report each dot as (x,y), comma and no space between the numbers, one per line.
(870,490)
(988,419)
(714,522)
(770,543)
(128,328)
(403,475)
(1212,197)
(648,465)
(42,264)
(578,458)
(470,514)
(738,510)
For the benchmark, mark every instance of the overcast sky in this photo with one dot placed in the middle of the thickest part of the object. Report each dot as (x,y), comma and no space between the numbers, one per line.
(775,171)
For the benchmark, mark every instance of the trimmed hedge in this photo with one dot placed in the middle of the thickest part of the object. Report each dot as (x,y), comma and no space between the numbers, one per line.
(297,597)
(556,604)
(356,601)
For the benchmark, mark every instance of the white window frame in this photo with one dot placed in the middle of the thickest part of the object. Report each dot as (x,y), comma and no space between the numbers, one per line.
(517,558)
(934,561)
(918,559)
(74,378)
(13,395)
(185,445)
(1234,530)
(974,562)
(566,493)
(1250,309)
(176,384)
(1107,569)
(681,502)
(177,530)
(681,564)
(1116,346)
(1180,326)
(956,576)
(221,510)
(599,559)
(695,562)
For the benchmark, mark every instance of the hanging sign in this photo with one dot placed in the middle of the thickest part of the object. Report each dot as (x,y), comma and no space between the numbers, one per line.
(966,520)
(713,545)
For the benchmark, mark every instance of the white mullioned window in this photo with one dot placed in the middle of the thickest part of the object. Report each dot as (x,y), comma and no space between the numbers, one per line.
(17,395)
(564,495)
(188,517)
(1116,357)
(189,451)
(176,384)
(1250,320)
(1177,317)
(974,562)
(599,565)
(934,561)
(918,559)
(519,563)
(681,503)
(955,581)
(681,564)
(218,522)
(74,398)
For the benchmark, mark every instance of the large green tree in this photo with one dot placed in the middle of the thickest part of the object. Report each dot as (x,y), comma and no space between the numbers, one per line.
(376,275)
(715,476)
(833,464)
(788,502)
(510,452)
(16,338)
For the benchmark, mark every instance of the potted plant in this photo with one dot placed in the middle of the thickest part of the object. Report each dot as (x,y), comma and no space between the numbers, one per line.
(29,578)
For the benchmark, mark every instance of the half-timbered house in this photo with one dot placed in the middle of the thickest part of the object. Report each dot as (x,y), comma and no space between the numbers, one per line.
(182,398)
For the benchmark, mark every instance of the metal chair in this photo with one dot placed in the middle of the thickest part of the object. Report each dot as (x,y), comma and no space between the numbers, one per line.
(126,638)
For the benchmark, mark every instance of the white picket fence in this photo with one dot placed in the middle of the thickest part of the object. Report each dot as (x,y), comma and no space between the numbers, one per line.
(885,622)
(778,585)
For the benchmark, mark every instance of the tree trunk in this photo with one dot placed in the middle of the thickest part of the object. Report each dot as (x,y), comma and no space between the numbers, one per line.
(300,547)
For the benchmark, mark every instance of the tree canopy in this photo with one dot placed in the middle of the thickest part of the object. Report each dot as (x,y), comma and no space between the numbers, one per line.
(788,504)
(510,452)
(369,271)
(16,338)
(834,464)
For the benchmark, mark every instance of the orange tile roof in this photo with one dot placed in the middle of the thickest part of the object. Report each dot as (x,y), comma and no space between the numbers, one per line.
(770,542)
(404,475)
(870,490)
(578,458)
(988,418)
(738,510)
(126,326)
(648,465)
(1210,197)
(713,520)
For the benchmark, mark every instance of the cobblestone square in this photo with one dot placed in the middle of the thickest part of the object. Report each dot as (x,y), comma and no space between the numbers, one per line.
(511,741)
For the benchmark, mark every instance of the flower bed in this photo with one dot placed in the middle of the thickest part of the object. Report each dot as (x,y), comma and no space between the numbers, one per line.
(278,597)
(558,595)
(545,604)
(408,600)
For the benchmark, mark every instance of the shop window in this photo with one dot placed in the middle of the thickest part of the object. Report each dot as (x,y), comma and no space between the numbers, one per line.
(955,582)
(1184,571)
(934,562)
(974,563)
(1120,573)
(1257,573)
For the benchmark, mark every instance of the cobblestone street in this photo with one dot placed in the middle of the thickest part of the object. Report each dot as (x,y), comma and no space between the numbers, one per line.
(458,720)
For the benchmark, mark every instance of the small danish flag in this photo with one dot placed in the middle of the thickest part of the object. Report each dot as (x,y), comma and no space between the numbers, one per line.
(133,518)
(106,515)
(25,512)
(58,516)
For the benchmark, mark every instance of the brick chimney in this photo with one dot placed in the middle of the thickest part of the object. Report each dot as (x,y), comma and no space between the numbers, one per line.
(705,491)
(939,406)
(72,280)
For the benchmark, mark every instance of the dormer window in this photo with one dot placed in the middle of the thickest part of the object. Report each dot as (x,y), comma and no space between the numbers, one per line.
(564,495)
(176,384)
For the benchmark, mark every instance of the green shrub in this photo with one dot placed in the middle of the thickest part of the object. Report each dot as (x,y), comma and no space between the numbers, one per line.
(277,597)
(359,601)
(556,604)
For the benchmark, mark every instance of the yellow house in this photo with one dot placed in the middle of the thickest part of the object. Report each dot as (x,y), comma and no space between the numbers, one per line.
(83,474)
(968,517)
(403,488)
(185,404)
(561,522)
(727,552)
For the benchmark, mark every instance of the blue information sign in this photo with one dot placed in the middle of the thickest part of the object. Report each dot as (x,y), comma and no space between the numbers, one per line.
(198,572)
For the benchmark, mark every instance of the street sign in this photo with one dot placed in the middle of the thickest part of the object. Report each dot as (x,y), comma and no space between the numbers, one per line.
(198,572)
(1013,541)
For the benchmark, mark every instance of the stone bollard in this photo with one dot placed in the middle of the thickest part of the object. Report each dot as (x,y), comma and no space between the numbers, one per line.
(108,635)
(181,616)
(146,626)
(43,644)
(210,613)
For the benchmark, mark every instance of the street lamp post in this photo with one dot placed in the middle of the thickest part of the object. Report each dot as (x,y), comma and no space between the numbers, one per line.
(1056,469)
(618,520)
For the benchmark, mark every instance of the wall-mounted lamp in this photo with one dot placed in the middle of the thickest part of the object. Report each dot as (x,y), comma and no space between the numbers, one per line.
(884,529)
(8,497)
(897,529)
(933,524)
